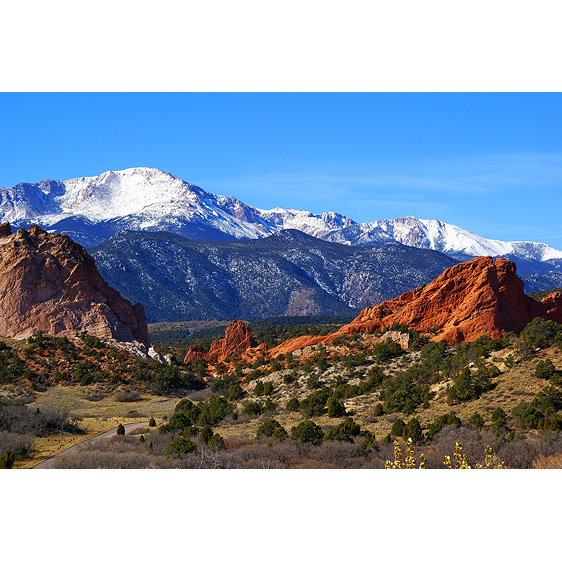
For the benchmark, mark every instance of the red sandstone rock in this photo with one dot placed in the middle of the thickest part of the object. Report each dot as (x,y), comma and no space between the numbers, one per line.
(50,283)
(480,297)
(194,352)
(237,338)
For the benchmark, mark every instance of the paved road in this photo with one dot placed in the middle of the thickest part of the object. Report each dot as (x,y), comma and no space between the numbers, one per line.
(128,428)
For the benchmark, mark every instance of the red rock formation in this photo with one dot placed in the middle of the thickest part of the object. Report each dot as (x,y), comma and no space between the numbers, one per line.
(237,337)
(195,352)
(50,283)
(468,300)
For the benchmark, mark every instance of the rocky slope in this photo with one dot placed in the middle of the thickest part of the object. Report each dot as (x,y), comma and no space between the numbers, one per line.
(288,273)
(471,299)
(50,283)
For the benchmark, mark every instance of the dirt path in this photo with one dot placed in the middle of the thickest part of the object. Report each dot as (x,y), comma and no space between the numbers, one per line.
(128,428)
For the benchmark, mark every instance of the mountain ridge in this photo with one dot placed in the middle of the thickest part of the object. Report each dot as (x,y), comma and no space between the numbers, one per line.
(92,209)
(288,273)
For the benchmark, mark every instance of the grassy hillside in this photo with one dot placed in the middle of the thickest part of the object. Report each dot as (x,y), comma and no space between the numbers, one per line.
(340,406)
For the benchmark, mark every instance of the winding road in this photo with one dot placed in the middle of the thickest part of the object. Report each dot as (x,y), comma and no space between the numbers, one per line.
(128,428)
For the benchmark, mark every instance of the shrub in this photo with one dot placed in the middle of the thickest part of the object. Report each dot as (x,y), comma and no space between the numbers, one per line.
(252,409)
(291,377)
(307,432)
(476,421)
(181,446)
(120,429)
(206,434)
(151,422)
(336,409)
(499,419)
(280,433)
(440,422)
(345,431)
(267,388)
(268,428)
(369,443)
(379,410)
(258,389)
(545,369)
(397,428)
(293,405)
(531,417)
(552,424)
(540,333)
(269,406)
(315,403)
(409,407)
(178,421)
(122,395)
(7,460)
(412,430)
(190,431)
(313,382)
(216,443)
(235,393)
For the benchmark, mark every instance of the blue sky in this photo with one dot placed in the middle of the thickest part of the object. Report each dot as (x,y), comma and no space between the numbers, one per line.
(488,162)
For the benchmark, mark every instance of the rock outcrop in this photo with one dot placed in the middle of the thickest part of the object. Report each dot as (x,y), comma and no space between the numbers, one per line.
(237,338)
(50,283)
(479,297)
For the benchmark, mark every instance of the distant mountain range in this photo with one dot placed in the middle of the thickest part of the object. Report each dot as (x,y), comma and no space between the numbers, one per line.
(286,274)
(92,209)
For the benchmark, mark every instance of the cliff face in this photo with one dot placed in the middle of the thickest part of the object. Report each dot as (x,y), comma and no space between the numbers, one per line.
(480,297)
(50,283)
(237,337)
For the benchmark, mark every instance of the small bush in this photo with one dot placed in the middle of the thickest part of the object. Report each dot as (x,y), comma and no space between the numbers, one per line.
(127,396)
(216,443)
(151,422)
(412,430)
(336,409)
(7,460)
(235,393)
(293,405)
(258,389)
(307,432)
(545,369)
(120,429)
(268,428)
(181,446)
(397,428)
(476,421)
(345,431)
(440,422)
(205,434)
(252,409)
(379,410)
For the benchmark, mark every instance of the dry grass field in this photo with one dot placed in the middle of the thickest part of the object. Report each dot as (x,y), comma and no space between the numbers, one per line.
(92,417)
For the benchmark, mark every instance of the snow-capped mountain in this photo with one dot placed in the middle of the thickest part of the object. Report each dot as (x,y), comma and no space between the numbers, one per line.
(448,239)
(92,209)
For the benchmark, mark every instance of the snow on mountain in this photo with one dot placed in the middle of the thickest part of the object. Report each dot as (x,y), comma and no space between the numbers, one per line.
(91,209)
(436,235)
(314,225)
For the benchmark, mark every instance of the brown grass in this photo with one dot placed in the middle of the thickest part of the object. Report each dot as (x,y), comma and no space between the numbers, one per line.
(94,417)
